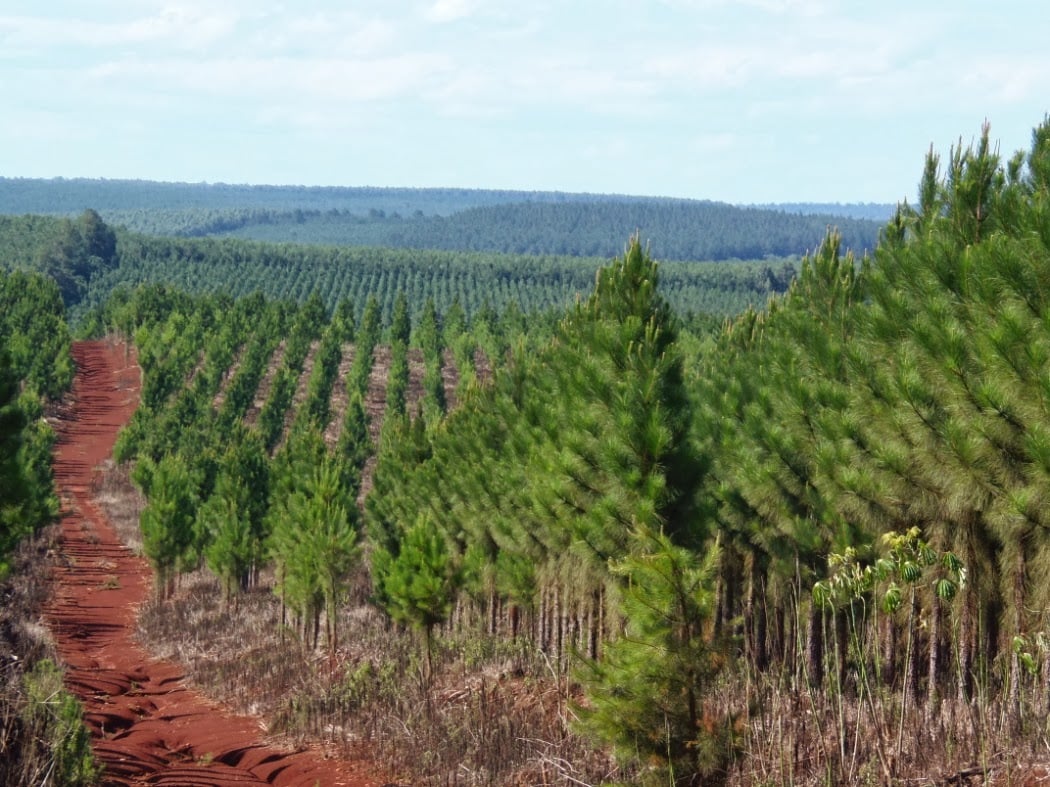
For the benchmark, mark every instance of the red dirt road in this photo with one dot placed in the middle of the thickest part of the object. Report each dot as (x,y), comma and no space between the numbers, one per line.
(147,727)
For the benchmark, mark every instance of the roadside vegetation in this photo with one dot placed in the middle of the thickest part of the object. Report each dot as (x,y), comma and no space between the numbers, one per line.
(42,737)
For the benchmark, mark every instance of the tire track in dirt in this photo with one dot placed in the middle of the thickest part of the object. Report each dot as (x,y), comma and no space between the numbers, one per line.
(147,727)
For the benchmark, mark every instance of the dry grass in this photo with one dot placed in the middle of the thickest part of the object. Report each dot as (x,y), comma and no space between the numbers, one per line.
(495,714)
(492,715)
(24,642)
(122,503)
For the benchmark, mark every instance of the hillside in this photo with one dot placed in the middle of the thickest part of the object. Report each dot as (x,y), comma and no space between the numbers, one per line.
(472,281)
(673,229)
(593,225)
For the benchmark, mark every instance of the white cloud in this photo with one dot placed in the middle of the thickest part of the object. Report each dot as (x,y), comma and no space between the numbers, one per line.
(803,7)
(343,79)
(181,27)
(441,11)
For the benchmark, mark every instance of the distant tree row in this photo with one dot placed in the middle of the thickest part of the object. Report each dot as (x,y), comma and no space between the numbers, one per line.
(176,208)
(533,284)
(89,261)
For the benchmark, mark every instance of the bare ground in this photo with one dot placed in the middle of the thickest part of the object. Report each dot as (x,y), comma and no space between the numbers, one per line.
(148,727)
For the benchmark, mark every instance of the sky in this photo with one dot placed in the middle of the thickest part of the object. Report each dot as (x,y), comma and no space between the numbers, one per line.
(742,101)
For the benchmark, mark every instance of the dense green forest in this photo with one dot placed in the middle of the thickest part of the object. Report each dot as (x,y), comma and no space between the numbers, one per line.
(532,251)
(808,547)
(35,367)
(534,223)
(672,229)
(91,261)
(69,196)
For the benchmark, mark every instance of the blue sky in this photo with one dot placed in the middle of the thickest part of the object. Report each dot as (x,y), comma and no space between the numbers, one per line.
(750,101)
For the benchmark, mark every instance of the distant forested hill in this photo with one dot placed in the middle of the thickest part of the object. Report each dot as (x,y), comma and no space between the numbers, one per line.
(64,196)
(874,211)
(515,222)
(673,229)
(536,250)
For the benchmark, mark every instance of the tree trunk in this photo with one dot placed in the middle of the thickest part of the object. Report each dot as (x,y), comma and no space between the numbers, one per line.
(1014,702)
(544,635)
(750,624)
(889,650)
(596,624)
(934,664)
(559,623)
(720,584)
(965,645)
(842,645)
(814,647)
(911,680)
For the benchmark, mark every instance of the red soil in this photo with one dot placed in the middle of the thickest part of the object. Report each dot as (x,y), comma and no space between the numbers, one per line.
(147,726)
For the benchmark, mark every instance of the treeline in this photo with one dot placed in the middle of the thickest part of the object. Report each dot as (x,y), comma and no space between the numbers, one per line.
(35,368)
(42,735)
(530,223)
(672,229)
(873,211)
(66,196)
(131,202)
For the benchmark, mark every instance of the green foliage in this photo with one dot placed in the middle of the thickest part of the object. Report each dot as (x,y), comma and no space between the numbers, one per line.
(417,584)
(532,283)
(34,332)
(314,538)
(71,253)
(585,225)
(14,488)
(54,722)
(226,531)
(908,560)
(167,521)
(35,364)
(646,696)
(231,521)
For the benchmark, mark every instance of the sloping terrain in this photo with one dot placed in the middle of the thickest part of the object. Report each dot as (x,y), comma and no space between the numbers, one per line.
(147,726)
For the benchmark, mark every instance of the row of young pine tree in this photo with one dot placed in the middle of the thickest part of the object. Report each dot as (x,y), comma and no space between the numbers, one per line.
(846,490)
(35,367)
(42,733)
(256,421)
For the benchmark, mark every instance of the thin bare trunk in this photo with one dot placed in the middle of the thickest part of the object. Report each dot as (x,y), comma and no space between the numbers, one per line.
(814,646)
(934,666)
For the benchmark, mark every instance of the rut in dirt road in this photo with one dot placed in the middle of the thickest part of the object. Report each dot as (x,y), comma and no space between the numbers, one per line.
(147,727)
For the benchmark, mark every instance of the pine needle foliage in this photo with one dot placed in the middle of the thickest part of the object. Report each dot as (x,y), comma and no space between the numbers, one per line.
(646,696)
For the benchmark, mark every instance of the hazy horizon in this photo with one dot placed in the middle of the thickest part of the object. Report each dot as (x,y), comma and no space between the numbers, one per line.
(746,102)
